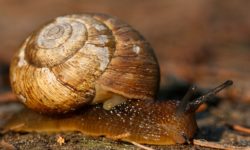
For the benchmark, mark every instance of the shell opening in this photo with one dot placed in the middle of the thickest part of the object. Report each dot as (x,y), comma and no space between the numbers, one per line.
(109,99)
(114,101)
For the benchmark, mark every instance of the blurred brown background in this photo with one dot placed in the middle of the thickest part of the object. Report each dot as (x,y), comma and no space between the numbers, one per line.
(169,25)
(204,42)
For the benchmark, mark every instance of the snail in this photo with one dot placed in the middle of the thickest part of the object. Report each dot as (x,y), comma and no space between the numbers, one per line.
(83,59)
(120,85)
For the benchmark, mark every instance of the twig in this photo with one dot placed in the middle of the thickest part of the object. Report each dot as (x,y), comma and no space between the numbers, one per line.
(240,128)
(60,140)
(7,97)
(142,146)
(218,145)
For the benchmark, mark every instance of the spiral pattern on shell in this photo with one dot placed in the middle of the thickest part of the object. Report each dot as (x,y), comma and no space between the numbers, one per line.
(59,67)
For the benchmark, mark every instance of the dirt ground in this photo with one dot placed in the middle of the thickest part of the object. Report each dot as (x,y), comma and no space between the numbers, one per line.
(196,42)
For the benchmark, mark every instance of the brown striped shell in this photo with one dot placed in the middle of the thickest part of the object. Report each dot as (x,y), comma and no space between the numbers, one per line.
(79,59)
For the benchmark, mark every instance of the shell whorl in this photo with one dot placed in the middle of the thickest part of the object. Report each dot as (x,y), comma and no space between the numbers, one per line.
(60,39)
(57,67)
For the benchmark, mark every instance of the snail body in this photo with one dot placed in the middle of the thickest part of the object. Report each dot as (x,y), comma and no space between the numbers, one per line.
(83,59)
(133,121)
(145,122)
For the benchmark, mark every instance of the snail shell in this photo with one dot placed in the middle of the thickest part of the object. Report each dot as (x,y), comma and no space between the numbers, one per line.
(80,59)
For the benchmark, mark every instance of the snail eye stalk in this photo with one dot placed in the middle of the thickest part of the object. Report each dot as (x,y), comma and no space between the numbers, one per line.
(192,106)
(186,99)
